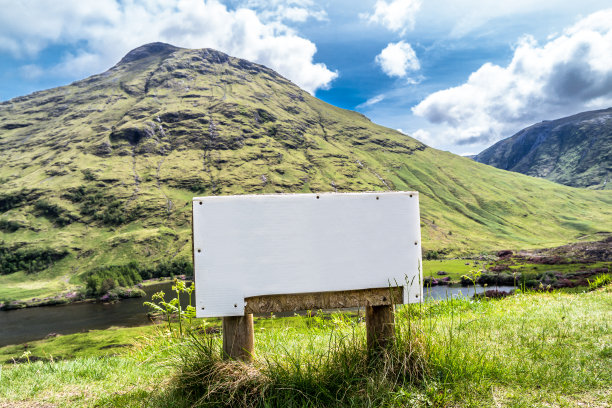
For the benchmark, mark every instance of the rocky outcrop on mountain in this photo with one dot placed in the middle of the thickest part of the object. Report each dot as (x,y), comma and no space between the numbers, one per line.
(575,151)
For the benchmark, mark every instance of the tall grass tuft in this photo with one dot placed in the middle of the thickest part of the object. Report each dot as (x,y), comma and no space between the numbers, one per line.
(600,281)
(341,373)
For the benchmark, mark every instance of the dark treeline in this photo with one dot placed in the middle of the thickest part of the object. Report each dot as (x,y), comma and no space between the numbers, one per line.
(101,280)
(15,259)
(16,199)
(53,212)
(9,225)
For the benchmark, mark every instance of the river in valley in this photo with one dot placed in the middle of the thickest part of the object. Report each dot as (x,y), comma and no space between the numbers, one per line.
(23,325)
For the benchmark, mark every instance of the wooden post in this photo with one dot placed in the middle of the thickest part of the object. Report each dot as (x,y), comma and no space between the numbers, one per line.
(380,327)
(238,337)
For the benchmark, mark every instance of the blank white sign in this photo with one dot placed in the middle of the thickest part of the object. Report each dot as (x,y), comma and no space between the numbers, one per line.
(253,245)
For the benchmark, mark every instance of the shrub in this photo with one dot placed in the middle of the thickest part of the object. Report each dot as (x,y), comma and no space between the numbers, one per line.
(600,281)
(105,279)
(9,225)
(94,203)
(88,175)
(53,212)
(504,279)
(172,268)
(101,280)
(15,258)
(430,255)
(16,199)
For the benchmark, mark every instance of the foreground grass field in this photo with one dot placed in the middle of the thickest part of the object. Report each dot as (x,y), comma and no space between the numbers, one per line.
(529,350)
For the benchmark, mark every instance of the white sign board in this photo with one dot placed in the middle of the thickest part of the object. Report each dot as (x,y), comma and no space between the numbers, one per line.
(254,245)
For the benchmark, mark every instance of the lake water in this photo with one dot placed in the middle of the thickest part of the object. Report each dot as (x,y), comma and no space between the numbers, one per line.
(23,325)
(443,292)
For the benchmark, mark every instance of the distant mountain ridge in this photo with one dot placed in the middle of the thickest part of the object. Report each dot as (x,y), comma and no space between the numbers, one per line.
(575,150)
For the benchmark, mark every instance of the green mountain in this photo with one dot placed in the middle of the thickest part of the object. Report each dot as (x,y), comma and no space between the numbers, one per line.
(575,151)
(102,172)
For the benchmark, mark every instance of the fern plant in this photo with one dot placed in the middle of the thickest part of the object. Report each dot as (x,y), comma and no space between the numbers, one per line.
(172,308)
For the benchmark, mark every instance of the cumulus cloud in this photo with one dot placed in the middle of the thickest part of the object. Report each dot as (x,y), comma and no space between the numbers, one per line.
(101,32)
(423,135)
(287,10)
(571,72)
(397,59)
(397,15)
(372,101)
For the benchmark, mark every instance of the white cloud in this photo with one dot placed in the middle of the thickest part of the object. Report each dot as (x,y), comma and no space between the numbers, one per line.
(298,11)
(31,71)
(422,135)
(397,15)
(293,13)
(460,18)
(372,101)
(397,59)
(101,32)
(568,74)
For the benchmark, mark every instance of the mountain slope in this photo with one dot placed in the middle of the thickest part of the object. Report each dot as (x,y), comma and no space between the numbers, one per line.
(575,151)
(102,171)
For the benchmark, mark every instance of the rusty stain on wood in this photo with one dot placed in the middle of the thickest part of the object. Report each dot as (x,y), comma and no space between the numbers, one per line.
(324,300)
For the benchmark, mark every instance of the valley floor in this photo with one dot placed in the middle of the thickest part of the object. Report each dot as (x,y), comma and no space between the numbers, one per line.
(529,350)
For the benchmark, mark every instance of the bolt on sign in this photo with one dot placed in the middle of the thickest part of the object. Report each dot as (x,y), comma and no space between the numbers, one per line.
(271,253)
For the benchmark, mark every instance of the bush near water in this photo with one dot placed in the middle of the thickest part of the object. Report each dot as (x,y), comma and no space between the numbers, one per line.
(101,280)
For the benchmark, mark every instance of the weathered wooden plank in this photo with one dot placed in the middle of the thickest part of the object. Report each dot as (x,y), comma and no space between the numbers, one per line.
(324,300)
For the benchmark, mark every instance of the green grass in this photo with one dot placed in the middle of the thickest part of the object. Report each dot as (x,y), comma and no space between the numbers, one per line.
(529,350)
(21,286)
(455,268)
(95,343)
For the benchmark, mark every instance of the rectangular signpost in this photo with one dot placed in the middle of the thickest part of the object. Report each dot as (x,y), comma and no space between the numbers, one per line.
(289,252)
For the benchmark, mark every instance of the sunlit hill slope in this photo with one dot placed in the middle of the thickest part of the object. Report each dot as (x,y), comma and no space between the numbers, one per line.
(102,171)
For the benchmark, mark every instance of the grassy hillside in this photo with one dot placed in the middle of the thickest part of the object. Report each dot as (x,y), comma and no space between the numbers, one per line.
(102,171)
(575,151)
(529,350)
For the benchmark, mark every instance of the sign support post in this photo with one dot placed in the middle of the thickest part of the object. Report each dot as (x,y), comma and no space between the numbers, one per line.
(238,337)
(380,327)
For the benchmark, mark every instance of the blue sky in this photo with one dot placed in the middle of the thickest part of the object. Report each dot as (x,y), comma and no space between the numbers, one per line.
(458,75)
